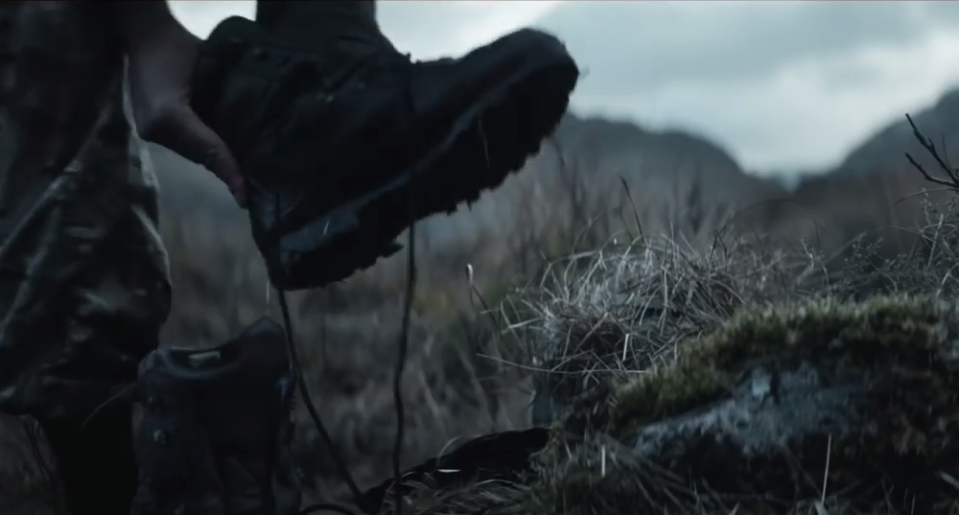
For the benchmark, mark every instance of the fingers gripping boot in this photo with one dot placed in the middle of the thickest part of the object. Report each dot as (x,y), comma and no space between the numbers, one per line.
(215,437)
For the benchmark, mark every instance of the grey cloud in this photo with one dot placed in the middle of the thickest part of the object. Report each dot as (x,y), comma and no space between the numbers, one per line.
(418,25)
(631,46)
(943,12)
(411,24)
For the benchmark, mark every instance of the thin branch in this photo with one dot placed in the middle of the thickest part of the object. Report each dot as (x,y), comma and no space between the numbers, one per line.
(930,147)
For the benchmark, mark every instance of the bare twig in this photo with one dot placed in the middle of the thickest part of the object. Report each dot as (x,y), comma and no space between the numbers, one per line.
(930,147)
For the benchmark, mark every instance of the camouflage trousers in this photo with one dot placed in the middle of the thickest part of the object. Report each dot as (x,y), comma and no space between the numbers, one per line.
(84,280)
(82,305)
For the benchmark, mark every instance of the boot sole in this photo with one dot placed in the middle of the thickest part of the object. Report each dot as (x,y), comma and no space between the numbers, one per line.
(357,234)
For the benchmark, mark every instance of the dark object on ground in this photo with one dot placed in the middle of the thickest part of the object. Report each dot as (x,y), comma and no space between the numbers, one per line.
(500,456)
(345,141)
(216,432)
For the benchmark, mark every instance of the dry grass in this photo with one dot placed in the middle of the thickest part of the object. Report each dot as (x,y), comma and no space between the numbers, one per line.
(897,348)
(347,335)
(599,328)
(623,309)
(586,324)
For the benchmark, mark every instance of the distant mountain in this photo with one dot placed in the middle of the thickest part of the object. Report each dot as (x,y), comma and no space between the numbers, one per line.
(678,182)
(663,169)
(601,141)
(875,190)
(659,159)
(886,149)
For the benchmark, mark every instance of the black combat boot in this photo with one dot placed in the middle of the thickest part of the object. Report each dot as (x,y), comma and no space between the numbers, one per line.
(344,140)
(216,433)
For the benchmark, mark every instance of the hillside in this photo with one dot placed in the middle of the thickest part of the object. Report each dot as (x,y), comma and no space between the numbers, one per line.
(875,191)
(667,172)
(679,184)
(676,180)
(886,148)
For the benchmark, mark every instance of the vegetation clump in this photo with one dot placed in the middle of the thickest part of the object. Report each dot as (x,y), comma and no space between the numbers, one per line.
(733,380)
(609,315)
(811,406)
(780,407)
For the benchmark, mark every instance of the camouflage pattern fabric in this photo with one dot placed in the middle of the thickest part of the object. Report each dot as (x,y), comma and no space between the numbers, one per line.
(84,280)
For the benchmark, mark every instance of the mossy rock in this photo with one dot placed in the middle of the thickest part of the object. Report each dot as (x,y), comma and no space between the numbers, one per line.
(780,406)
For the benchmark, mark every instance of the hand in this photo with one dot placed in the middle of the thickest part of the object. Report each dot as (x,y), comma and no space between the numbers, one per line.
(160,72)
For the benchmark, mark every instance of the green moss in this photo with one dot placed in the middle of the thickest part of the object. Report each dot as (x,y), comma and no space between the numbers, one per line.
(904,350)
(916,334)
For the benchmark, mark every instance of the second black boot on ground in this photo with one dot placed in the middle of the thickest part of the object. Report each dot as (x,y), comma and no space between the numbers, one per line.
(217,427)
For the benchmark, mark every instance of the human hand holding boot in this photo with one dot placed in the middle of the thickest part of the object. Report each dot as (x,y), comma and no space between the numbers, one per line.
(161,55)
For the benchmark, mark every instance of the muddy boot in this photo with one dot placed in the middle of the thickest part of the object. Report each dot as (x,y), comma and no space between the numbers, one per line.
(345,141)
(215,436)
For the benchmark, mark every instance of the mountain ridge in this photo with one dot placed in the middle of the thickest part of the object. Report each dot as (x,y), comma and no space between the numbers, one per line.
(668,172)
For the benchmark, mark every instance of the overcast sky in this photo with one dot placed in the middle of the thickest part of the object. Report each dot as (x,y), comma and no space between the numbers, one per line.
(782,85)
